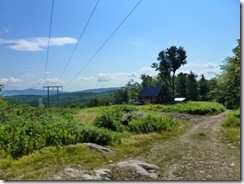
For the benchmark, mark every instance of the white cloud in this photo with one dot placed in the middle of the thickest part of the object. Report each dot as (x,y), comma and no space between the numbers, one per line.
(148,71)
(11,80)
(38,43)
(104,77)
(109,77)
(211,66)
(49,81)
(86,79)
(134,75)
(210,69)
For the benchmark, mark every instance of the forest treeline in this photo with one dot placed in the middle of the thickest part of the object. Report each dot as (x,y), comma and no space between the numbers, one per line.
(224,88)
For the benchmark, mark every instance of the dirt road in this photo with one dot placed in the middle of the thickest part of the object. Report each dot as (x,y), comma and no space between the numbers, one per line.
(201,153)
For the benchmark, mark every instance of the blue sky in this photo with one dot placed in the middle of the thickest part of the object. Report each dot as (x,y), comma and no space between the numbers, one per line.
(207,30)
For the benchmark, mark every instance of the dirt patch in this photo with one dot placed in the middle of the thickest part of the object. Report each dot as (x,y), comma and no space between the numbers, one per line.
(201,153)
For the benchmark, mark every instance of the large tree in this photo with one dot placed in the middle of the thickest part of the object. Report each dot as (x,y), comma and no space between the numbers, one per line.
(203,88)
(133,89)
(148,80)
(192,87)
(230,79)
(170,60)
(181,84)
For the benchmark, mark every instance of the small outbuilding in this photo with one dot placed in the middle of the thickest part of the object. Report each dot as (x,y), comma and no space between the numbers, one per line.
(152,94)
(181,99)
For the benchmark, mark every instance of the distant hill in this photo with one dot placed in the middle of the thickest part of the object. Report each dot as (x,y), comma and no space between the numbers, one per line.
(41,92)
(33,97)
(99,90)
(22,92)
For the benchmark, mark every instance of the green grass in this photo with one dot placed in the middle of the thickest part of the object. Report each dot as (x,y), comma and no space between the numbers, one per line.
(232,127)
(191,107)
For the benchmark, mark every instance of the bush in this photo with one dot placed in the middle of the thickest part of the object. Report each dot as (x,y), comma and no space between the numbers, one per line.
(97,135)
(24,129)
(152,124)
(111,117)
(233,119)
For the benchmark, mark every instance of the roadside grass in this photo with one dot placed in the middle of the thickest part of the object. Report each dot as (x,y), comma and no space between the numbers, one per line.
(43,164)
(232,127)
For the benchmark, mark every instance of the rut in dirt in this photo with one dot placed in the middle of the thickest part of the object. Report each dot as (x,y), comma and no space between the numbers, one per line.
(201,153)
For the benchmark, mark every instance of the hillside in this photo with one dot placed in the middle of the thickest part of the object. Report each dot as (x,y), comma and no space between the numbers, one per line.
(35,97)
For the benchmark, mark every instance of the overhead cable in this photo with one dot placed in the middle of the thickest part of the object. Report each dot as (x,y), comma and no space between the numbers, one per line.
(104,43)
(79,39)
(50,28)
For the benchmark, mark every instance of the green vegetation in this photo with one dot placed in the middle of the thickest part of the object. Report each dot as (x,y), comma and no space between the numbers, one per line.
(24,129)
(196,108)
(232,126)
(35,139)
(111,117)
(75,99)
(152,123)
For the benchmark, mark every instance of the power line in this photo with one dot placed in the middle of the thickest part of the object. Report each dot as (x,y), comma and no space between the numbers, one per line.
(50,28)
(101,47)
(79,39)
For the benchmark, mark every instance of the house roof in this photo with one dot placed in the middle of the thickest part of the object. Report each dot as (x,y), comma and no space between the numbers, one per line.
(150,91)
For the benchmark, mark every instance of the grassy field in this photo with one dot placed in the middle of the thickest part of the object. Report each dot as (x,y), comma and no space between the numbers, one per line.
(191,107)
(36,143)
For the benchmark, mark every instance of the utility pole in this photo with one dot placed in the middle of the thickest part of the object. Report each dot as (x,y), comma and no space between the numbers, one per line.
(48,94)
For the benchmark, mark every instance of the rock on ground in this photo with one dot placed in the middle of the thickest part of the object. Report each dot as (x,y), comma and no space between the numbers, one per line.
(82,174)
(97,148)
(140,167)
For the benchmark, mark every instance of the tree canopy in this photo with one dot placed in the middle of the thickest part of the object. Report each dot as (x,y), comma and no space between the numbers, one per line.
(170,60)
(230,79)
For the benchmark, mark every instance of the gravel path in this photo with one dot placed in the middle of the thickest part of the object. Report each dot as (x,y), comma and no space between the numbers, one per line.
(201,153)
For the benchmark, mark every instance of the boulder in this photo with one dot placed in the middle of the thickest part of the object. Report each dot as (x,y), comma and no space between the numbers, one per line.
(80,174)
(97,148)
(132,115)
(140,167)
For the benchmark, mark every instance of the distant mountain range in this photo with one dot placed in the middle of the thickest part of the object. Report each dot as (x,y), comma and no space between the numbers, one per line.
(41,92)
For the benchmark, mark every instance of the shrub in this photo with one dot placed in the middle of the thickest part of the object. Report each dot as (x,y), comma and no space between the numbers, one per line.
(97,135)
(111,117)
(233,119)
(152,124)
(24,129)
(110,121)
